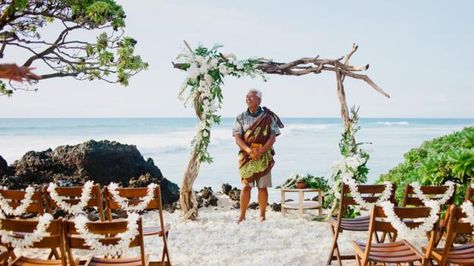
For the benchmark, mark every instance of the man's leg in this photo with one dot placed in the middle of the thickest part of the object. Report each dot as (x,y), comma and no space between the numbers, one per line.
(244,201)
(262,202)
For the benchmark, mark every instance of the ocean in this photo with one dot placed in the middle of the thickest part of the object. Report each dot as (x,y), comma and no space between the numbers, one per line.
(306,145)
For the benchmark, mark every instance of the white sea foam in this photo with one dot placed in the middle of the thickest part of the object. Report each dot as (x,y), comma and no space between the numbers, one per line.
(398,123)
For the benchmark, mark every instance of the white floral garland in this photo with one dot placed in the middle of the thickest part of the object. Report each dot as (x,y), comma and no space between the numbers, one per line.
(27,240)
(21,209)
(204,89)
(72,208)
(447,194)
(123,202)
(426,224)
(385,196)
(111,250)
(468,209)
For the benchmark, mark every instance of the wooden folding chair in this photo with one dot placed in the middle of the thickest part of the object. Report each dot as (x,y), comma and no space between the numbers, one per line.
(54,240)
(14,198)
(73,195)
(394,252)
(450,254)
(108,231)
(134,196)
(369,193)
(431,192)
(469,193)
(3,257)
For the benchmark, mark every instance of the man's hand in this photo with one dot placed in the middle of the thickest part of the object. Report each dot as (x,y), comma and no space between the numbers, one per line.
(256,153)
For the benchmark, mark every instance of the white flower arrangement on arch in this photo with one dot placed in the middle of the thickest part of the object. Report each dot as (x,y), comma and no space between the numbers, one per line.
(206,69)
(73,209)
(426,224)
(447,194)
(123,202)
(21,209)
(27,240)
(93,240)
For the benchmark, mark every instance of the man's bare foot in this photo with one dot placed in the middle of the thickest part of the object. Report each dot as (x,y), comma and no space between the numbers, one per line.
(262,218)
(240,220)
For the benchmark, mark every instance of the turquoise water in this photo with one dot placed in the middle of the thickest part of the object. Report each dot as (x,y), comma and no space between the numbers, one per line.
(306,145)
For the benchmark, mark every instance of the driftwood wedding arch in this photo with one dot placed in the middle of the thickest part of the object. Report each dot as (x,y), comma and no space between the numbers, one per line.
(299,67)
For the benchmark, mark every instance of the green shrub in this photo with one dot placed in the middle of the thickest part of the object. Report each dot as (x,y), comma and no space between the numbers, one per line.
(447,158)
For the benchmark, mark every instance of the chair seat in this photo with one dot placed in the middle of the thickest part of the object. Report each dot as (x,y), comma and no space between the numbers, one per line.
(395,252)
(154,230)
(133,261)
(463,254)
(360,223)
(24,261)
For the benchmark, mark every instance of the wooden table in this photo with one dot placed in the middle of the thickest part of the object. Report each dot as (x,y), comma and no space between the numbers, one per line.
(301,204)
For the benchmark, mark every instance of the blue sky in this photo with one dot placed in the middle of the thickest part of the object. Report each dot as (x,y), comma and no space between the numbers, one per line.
(420,52)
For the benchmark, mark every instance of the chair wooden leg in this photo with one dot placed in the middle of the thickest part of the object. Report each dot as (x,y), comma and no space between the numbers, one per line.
(334,247)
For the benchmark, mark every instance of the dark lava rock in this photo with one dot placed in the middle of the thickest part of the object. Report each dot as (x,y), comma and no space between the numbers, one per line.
(101,161)
(226,189)
(206,198)
(236,205)
(276,207)
(253,205)
(3,166)
(234,194)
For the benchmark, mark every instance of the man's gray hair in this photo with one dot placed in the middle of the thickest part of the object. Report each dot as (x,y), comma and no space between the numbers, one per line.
(257,92)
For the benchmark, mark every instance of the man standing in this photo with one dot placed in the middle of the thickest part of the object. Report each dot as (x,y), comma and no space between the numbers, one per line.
(255,131)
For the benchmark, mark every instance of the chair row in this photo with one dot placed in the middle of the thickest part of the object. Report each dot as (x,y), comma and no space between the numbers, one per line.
(373,194)
(403,251)
(65,237)
(42,201)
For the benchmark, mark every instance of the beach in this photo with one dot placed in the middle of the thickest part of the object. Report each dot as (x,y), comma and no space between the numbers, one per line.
(216,239)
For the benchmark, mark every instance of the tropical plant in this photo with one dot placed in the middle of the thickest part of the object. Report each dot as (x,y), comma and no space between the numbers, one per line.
(46,31)
(447,158)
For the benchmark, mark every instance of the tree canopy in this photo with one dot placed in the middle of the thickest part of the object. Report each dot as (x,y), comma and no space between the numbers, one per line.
(110,56)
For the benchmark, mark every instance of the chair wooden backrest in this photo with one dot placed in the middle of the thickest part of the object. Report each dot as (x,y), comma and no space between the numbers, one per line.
(432,192)
(369,193)
(134,196)
(379,223)
(469,193)
(14,197)
(455,225)
(74,197)
(53,241)
(108,230)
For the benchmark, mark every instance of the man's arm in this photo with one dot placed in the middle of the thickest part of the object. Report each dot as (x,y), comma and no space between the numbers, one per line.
(266,146)
(241,143)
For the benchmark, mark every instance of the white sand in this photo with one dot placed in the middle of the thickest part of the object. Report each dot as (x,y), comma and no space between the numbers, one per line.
(216,239)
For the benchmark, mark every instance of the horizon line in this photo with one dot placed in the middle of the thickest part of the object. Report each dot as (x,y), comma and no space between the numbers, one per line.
(224,117)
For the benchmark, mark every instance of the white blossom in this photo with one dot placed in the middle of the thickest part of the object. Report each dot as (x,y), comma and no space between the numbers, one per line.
(193,71)
(446,196)
(239,65)
(223,69)
(24,203)
(208,79)
(27,240)
(123,202)
(72,208)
